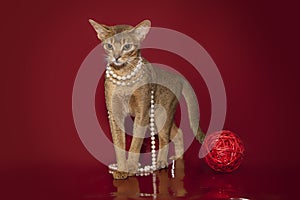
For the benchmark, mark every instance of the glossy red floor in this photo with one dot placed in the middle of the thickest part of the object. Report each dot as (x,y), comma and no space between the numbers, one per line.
(191,179)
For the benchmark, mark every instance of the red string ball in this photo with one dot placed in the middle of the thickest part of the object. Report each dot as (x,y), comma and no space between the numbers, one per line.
(226,151)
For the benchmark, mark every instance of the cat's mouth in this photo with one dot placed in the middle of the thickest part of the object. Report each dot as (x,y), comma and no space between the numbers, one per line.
(119,63)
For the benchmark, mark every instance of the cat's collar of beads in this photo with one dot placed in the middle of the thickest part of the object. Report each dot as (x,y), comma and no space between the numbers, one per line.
(111,74)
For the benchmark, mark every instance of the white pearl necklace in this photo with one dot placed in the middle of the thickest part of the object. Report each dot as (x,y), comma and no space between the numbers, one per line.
(146,170)
(152,130)
(123,80)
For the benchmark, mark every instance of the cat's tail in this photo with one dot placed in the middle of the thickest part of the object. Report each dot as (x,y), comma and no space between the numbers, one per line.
(193,110)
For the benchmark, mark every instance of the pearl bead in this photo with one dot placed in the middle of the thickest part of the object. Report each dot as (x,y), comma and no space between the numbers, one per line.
(119,77)
(123,78)
(153,147)
(153,151)
(152,138)
(153,142)
(152,106)
(122,83)
(152,124)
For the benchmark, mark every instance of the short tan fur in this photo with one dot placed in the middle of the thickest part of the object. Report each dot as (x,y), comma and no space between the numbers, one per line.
(122,46)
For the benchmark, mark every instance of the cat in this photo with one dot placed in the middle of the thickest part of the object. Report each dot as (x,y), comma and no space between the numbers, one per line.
(130,82)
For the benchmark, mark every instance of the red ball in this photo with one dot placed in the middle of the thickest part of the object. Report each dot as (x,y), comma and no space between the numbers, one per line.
(226,151)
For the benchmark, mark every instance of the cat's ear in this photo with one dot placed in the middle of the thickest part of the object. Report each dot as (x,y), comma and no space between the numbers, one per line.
(102,30)
(142,29)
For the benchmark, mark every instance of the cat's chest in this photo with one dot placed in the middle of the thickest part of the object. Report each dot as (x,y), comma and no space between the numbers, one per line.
(118,91)
(118,98)
(123,94)
(118,94)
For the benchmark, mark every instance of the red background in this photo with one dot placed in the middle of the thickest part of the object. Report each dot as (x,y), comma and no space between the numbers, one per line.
(255,46)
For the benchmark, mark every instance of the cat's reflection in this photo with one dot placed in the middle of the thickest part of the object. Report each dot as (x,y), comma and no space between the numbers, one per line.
(174,183)
(128,188)
(166,184)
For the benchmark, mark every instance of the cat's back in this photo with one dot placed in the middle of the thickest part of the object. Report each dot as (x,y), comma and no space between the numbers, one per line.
(169,79)
(167,76)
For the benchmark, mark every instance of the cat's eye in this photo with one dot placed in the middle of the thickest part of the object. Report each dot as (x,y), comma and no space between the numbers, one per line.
(109,46)
(127,47)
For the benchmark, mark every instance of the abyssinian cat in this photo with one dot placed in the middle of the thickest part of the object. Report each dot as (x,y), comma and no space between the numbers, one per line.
(130,82)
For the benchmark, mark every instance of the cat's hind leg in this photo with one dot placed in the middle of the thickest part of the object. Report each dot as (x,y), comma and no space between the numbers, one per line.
(177,139)
(164,139)
(164,119)
(162,157)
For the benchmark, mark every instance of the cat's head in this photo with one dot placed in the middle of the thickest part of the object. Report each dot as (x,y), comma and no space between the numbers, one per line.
(121,42)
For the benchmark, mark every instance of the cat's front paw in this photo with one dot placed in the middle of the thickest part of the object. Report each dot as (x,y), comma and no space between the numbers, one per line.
(119,175)
(175,157)
(161,164)
(132,168)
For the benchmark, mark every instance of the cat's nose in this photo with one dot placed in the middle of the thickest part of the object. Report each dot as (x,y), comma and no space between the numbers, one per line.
(117,57)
